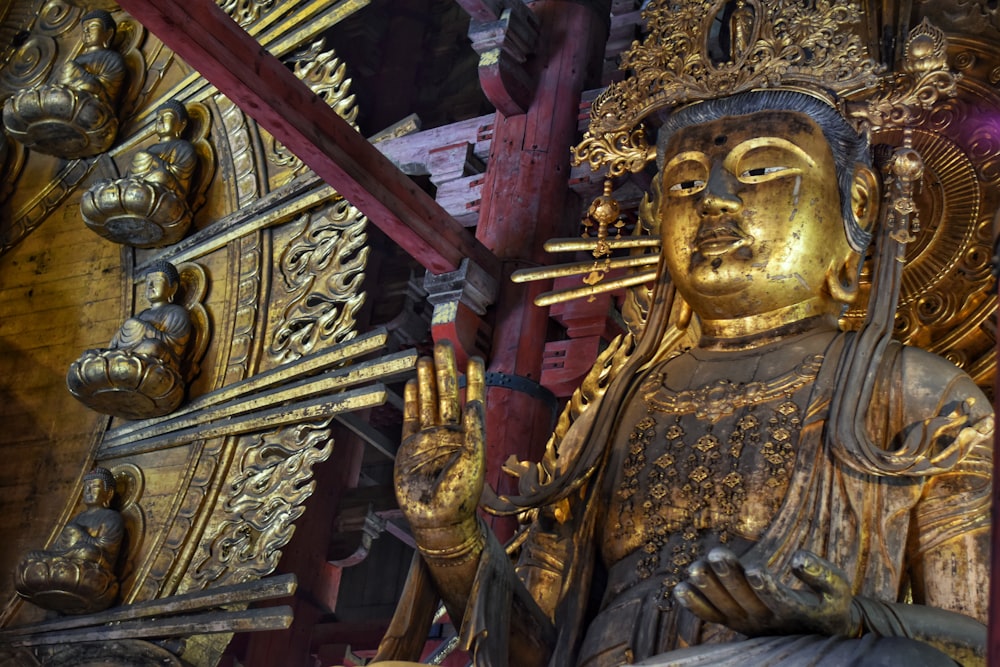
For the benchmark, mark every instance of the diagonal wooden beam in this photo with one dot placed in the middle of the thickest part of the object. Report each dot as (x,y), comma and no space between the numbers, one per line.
(206,38)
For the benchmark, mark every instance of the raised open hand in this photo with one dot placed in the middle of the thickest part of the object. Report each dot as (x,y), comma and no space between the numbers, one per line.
(753,602)
(441,462)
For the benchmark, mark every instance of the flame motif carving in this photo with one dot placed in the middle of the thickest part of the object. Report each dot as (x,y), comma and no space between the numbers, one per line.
(322,269)
(265,495)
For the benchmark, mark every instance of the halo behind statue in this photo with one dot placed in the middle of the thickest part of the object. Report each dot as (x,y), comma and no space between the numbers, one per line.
(133,382)
(77,115)
(146,213)
(798,47)
(76,575)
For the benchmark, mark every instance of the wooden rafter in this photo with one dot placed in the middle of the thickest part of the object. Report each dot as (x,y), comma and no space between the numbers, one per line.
(206,38)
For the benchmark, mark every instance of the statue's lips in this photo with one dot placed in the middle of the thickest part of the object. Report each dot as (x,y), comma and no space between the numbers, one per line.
(718,237)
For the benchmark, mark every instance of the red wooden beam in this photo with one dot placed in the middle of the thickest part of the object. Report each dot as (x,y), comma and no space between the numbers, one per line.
(203,35)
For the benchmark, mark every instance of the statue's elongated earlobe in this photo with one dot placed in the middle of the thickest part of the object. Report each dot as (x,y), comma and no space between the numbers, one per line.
(864,197)
(842,282)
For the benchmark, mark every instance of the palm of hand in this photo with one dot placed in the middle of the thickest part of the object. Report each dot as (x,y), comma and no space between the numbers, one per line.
(441,462)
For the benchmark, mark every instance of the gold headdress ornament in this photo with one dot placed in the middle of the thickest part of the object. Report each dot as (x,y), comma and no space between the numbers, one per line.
(699,50)
(797,45)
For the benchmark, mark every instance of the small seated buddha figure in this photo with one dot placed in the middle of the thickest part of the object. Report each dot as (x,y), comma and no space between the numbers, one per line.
(148,208)
(77,574)
(76,116)
(139,375)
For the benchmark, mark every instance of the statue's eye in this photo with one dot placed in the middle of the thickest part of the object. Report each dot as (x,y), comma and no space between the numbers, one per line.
(685,174)
(687,187)
(759,172)
(762,159)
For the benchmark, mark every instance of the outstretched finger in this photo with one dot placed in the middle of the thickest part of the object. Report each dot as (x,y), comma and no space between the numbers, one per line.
(821,575)
(475,381)
(411,410)
(779,599)
(447,383)
(474,423)
(702,577)
(730,572)
(427,394)
(697,604)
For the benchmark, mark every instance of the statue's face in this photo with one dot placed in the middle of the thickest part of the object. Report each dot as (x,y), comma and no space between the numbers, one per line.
(158,287)
(95,492)
(95,34)
(750,211)
(168,123)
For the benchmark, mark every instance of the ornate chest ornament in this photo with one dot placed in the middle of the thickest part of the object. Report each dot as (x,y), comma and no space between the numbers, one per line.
(723,397)
(680,484)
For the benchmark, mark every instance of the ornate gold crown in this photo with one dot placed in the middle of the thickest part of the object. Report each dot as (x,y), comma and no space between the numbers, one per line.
(705,49)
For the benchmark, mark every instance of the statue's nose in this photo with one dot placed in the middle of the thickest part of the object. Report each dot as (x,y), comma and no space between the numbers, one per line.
(719,196)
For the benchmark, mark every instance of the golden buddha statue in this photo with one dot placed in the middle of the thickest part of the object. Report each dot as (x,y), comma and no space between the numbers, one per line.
(77,574)
(148,208)
(781,492)
(76,116)
(140,374)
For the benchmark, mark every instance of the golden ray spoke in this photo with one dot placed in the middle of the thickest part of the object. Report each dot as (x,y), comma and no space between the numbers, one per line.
(575,244)
(549,298)
(580,268)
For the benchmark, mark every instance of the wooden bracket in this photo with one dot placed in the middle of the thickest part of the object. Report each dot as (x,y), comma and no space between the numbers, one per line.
(460,299)
(353,541)
(586,317)
(482,10)
(567,362)
(504,34)
(363,514)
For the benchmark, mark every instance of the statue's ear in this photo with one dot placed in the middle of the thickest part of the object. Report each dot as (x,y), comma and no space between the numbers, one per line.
(842,279)
(864,196)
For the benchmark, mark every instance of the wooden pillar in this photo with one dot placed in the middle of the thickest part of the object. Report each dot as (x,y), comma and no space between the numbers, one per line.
(525,197)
